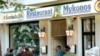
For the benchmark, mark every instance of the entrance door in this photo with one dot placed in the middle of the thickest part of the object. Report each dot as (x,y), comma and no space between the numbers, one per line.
(88,33)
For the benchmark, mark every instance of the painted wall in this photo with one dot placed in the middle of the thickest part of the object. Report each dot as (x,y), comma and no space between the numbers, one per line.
(4,36)
(73,39)
(97,30)
(79,37)
(76,38)
(44,40)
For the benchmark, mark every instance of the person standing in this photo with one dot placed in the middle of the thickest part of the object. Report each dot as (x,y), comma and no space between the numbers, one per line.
(67,50)
(59,51)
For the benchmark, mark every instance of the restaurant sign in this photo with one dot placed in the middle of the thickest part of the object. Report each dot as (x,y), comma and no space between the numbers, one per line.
(40,13)
(78,8)
(13,16)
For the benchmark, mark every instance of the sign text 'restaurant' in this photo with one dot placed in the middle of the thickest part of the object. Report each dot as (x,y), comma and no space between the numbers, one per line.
(37,14)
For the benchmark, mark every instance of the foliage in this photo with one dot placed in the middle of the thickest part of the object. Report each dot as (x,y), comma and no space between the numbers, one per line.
(18,6)
(4,4)
(23,34)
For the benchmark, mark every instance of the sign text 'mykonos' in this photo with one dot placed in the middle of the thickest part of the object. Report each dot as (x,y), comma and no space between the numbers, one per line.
(76,8)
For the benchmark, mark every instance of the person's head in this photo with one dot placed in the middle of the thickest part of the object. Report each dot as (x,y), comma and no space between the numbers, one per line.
(58,47)
(8,49)
(22,49)
(67,48)
(11,50)
(33,49)
(26,49)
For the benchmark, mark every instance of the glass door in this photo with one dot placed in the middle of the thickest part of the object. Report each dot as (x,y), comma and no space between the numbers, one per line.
(88,33)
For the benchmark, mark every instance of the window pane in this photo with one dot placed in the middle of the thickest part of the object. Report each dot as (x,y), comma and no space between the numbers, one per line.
(24,35)
(87,42)
(87,25)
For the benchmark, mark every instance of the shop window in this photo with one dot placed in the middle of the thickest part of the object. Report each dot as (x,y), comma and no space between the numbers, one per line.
(88,33)
(24,34)
(86,25)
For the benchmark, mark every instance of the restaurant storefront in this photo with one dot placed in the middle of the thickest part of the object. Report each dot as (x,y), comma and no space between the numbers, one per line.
(20,29)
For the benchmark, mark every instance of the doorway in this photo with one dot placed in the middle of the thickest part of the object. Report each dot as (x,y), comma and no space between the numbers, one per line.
(58,28)
(88,33)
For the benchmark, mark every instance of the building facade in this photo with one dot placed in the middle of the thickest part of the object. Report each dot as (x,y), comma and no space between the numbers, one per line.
(21,28)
